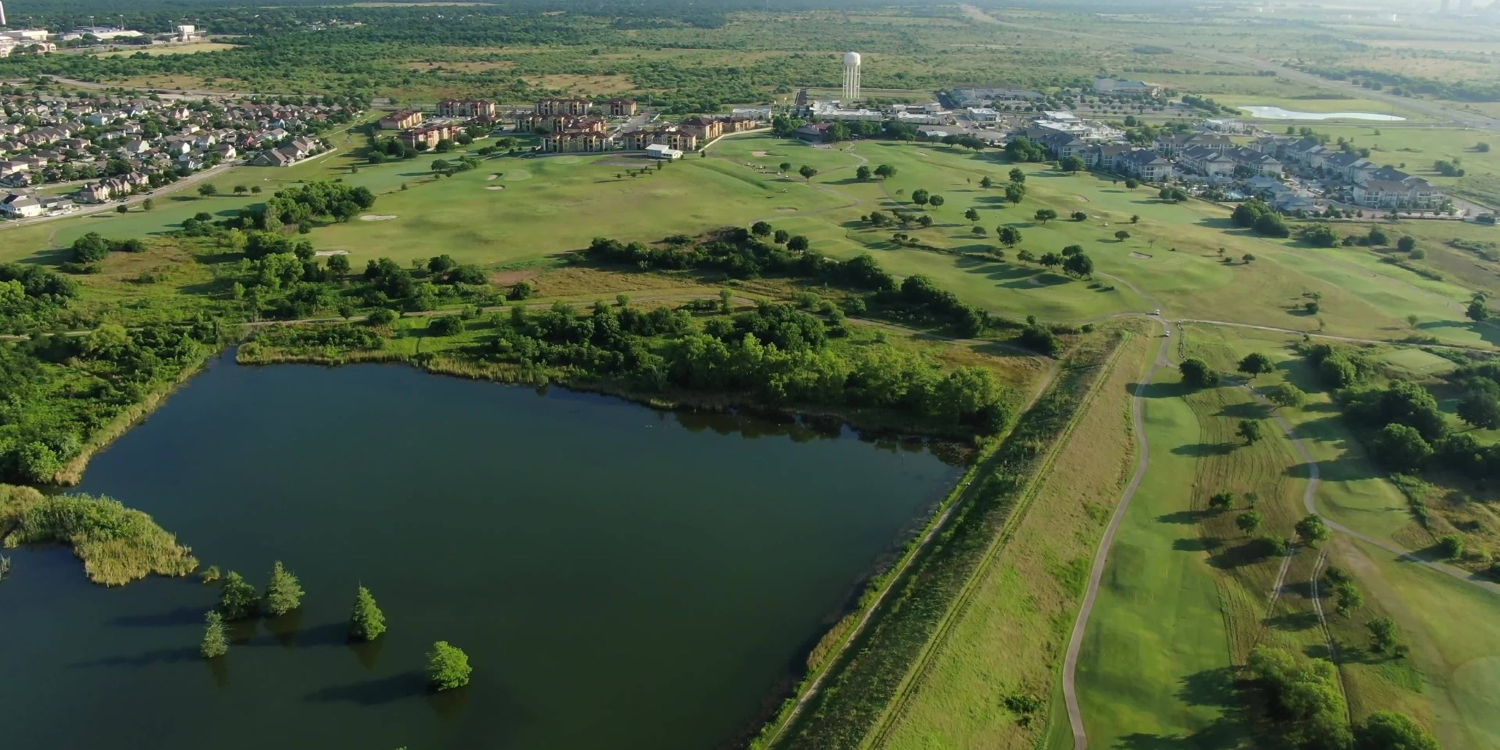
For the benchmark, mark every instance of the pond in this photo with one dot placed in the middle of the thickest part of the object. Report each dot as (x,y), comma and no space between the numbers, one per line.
(620,577)
(1277,113)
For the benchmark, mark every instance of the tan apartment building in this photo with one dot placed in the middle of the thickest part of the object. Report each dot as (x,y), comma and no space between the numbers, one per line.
(621,107)
(579,141)
(466,108)
(407,118)
(574,107)
(429,135)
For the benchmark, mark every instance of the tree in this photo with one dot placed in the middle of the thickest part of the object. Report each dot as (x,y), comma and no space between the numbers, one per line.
(1080,216)
(1256,363)
(1480,409)
(121,209)
(1451,547)
(1132,183)
(919,196)
(1026,256)
(255,189)
(1477,311)
(215,641)
(284,592)
(1072,165)
(447,667)
(1388,730)
(1135,218)
(1312,530)
(1051,260)
(807,172)
(1122,235)
(1401,448)
(366,622)
(1406,244)
(1287,395)
(936,201)
(781,236)
(148,204)
(885,171)
(986,182)
(862,173)
(760,229)
(1045,215)
(972,214)
(237,598)
(1221,501)
(1014,192)
(1482,147)
(208,190)
(1017,176)
(1272,225)
(441,165)
(785,166)
(1247,259)
(1249,431)
(1249,521)
(1079,265)
(797,242)
(338,264)
(1384,637)
(1010,236)
(1312,307)
(1197,373)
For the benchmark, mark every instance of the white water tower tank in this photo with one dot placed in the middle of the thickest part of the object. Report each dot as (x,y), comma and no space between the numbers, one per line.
(851,77)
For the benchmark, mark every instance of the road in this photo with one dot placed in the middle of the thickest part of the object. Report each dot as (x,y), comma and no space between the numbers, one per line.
(186,182)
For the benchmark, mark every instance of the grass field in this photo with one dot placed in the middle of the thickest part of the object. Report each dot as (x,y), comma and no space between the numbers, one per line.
(531,210)
(174,49)
(1008,642)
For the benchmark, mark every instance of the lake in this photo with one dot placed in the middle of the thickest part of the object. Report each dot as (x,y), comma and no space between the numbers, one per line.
(620,577)
(1277,113)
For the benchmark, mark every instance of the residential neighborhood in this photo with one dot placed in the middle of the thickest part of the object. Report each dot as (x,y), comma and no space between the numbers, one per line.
(114,146)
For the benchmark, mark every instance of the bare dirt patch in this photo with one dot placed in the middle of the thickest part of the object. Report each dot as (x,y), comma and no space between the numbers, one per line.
(1140,256)
(377,217)
(587,84)
(463,66)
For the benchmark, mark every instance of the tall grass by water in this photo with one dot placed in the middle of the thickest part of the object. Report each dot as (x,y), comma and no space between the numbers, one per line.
(117,544)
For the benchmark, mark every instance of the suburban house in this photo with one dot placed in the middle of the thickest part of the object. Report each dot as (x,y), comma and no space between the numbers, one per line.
(466,108)
(20,206)
(407,118)
(621,107)
(283,156)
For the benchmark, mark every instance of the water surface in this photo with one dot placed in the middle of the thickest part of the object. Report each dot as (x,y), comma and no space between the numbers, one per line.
(1277,113)
(621,578)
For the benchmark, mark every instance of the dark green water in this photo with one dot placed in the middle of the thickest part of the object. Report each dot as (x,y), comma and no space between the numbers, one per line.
(621,578)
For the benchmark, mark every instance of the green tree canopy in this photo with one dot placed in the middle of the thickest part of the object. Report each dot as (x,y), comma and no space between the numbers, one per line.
(366,622)
(447,667)
(284,592)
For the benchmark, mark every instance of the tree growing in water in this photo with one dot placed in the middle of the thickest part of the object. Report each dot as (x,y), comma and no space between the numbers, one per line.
(237,600)
(215,642)
(447,667)
(283,593)
(367,622)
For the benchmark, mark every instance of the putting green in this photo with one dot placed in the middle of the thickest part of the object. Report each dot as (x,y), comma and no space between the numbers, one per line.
(519,175)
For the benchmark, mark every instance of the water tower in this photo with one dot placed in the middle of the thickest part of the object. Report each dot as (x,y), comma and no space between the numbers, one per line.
(851,77)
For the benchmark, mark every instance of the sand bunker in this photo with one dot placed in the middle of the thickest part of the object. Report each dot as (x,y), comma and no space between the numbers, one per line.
(495,187)
(494,176)
(326,253)
(760,153)
(377,217)
(1140,256)
(786,210)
